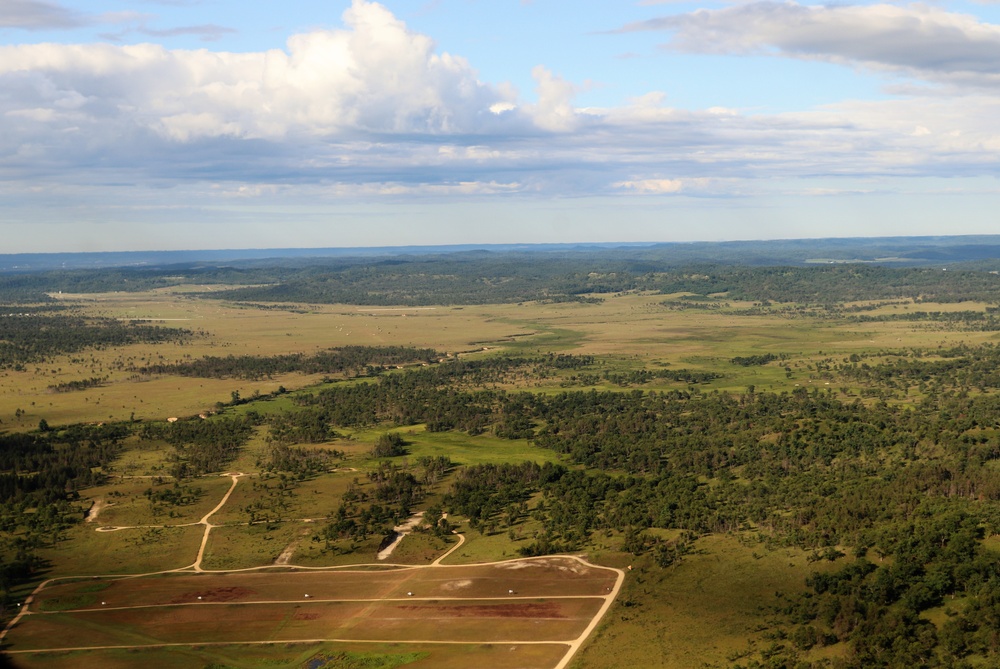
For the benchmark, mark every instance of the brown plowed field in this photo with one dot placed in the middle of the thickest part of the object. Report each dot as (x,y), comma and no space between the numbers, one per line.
(528,578)
(458,656)
(475,621)
(540,600)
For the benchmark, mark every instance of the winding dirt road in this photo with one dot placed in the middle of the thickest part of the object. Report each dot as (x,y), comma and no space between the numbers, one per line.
(573,646)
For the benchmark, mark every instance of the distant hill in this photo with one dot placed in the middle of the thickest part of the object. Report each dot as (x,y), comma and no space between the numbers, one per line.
(799,270)
(912,251)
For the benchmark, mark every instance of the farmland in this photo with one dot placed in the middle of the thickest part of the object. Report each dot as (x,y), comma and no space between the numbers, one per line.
(549,602)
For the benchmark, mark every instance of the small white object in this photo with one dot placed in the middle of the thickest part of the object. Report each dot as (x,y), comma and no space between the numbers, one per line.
(199,597)
(510,592)
(307,596)
(102,603)
(409,594)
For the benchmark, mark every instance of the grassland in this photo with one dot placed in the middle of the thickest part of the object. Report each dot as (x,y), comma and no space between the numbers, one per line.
(702,611)
(712,603)
(626,331)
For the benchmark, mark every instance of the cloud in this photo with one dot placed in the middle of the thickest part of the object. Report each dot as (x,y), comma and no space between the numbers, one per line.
(206,33)
(651,186)
(373,110)
(554,110)
(688,186)
(375,76)
(38,15)
(917,40)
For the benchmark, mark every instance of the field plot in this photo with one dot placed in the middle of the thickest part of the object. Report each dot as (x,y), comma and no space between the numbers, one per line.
(480,621)
(312,499)
(317,655)
(127,551)
(243,547)
(546,577)
(533,601)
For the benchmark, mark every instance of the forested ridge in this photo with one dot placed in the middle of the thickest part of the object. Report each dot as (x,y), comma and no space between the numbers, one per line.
(485,278)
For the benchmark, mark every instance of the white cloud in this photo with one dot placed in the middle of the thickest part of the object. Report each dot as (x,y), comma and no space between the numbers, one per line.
(651,186)
(554,110)
(375,76)
(373,110)
(917,40)
(696,186)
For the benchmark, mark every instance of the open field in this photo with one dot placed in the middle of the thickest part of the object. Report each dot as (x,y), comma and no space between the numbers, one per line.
(123,501)
(628,329)
(242,546)
(130,551)
(540,602)
(320,655)
(705,611)
(312,499)
(540,577)
(467,450)
(466,621)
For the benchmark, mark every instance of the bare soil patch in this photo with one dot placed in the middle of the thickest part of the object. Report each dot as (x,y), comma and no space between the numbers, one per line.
(520,610)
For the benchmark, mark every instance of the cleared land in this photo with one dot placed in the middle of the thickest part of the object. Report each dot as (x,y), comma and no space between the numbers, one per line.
(540,577)
(321,655)
(543,601)
(519,602)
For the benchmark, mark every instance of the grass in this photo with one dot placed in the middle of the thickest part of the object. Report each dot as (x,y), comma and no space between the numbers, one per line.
(464,449)
(125,504)
(340,552)
(135,551)
(313,499)
(419,548)
(297,655)
(243,546)
(625,326)
(485,547)
(704,611)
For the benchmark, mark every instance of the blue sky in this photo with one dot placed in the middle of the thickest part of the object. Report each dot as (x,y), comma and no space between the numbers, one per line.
(166,124)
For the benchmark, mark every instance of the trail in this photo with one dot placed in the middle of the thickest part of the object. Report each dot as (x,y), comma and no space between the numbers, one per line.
(609,599)
(95,510)
(461,540)
(572,646)
(208,526)
(400,531)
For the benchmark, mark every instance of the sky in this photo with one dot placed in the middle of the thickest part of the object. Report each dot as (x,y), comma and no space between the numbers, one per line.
(200,124)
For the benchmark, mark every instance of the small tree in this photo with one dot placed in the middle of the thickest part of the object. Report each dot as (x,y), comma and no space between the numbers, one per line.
(388,445)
